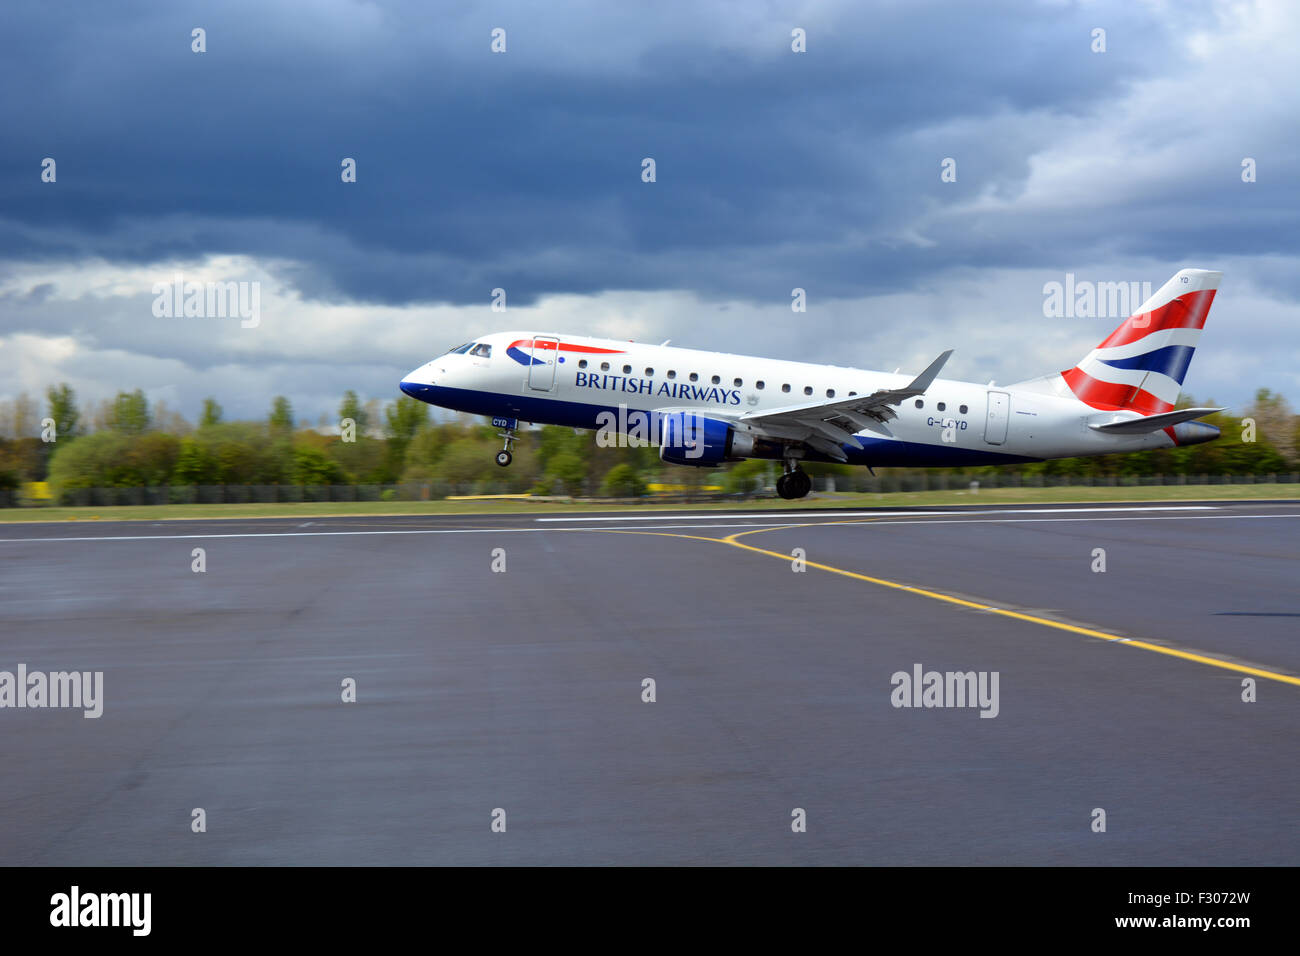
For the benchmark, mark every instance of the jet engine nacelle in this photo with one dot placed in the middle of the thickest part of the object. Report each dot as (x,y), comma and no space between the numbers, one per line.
(689,439)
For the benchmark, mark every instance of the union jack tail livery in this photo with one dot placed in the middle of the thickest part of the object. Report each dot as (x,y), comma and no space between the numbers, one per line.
(1141,364)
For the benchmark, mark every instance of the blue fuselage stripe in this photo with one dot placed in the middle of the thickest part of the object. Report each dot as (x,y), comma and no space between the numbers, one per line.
(881,452)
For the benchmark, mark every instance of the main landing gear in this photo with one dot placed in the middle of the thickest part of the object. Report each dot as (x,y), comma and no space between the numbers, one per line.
(795,483)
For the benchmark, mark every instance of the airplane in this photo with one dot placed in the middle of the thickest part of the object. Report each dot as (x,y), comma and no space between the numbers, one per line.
(703,408)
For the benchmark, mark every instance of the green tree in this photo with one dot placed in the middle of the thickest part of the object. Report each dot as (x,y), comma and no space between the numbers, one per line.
(467,459)
(353,409)
(281,419)
(565,468)
(211,412)
(1275,422)
(746,476)
(405,418)
(311,466)
(130,413)
(622,481)
(114,459)
(233,453)
(63,409)
(193,465)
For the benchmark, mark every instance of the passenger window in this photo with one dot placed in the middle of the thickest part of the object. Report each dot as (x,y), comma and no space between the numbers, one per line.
(807,389)
(672,374)
(962,409)
(694,377)
(627,370)
(715,380)
(649,373)
(582,363)
(851,394)
(738,383)
(785,388)
(830,393)
(759,384)
(920,404)
(941,406)
(604,366)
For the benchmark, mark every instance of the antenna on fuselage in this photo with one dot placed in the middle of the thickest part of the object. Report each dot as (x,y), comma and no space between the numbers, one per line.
(664,342)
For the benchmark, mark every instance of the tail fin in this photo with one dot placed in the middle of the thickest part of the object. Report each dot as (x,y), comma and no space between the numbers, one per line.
(1141,364)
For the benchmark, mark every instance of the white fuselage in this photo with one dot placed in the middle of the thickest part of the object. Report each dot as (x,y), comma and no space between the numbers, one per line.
(572,380)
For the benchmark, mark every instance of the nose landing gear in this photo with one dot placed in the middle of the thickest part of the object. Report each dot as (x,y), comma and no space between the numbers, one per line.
(504,458)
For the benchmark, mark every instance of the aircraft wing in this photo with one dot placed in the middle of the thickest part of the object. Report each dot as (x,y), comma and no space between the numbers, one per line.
(826,425)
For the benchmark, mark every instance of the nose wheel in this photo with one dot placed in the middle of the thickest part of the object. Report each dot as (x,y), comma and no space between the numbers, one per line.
(504,458)
(795,483)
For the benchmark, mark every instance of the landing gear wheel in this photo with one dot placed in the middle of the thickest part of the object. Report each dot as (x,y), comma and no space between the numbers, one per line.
(504,458)
(799,484)
(794,484)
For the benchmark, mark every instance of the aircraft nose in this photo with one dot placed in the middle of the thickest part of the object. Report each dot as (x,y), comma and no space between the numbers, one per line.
(417,384)
(417,390)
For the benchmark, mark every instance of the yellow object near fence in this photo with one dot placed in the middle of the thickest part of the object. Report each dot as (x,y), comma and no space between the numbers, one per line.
(38,491)
(656,486)
(484,497)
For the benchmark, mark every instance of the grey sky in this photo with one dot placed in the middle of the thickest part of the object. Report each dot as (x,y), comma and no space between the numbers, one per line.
(522,171)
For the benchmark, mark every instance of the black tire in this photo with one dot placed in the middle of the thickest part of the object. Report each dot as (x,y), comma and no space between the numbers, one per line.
(782,485)
(799,484)
(504,458)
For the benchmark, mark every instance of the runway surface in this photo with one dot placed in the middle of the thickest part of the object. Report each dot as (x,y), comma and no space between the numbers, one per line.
(522,690)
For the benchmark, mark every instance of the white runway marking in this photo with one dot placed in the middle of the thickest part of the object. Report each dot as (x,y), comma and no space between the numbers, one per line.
(892,514)
(691,527)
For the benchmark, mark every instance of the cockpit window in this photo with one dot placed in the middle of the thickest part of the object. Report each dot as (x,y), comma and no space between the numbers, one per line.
(464,348)
(483,350)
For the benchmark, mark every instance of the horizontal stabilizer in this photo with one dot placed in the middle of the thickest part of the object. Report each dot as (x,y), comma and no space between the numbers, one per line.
(1151,423)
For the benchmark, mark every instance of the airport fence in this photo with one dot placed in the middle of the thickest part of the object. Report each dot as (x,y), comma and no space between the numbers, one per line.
(896,481)
(863,482)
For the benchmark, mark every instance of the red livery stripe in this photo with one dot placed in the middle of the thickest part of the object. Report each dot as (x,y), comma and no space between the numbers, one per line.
(1112,395)
(1185,312)
(564,347)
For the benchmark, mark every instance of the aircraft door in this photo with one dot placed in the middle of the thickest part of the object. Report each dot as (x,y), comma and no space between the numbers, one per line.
(545,350)
(995,426)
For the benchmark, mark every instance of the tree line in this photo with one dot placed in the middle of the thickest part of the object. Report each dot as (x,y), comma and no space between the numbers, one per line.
(127,442)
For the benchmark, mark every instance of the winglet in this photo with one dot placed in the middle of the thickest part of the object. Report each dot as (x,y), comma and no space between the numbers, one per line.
(922,381)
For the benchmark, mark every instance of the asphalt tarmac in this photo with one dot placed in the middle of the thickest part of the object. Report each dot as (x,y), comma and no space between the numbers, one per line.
(480,691)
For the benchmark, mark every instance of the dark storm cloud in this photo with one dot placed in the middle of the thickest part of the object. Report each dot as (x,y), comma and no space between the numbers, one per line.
(522,170)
